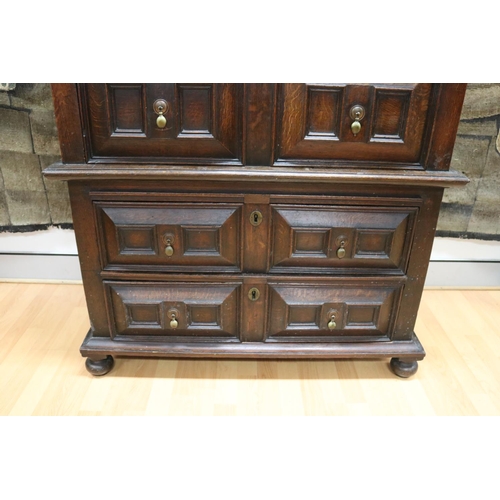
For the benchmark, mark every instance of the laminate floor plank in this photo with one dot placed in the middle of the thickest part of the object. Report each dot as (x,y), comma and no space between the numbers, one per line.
(43,373)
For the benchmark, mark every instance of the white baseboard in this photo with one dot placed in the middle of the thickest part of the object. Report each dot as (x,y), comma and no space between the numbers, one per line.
(49,268)
(66,268)
(51,256)
(463,275)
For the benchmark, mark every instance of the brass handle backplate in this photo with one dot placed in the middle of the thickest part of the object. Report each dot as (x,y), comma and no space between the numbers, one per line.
(357,113)
(160,107)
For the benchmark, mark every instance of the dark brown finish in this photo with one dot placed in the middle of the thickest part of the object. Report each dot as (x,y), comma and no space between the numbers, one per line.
(213,236)
(69,127)
(204,122)
(404,367)
(316,122)
(99,366)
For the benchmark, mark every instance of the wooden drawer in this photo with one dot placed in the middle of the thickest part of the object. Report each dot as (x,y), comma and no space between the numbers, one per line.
(353,309)
(169,236)
(311,238)
(173,310)
(316,123)
(203,121)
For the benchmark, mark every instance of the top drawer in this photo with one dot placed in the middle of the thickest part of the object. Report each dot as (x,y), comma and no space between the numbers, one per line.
(202,121)
(320,122)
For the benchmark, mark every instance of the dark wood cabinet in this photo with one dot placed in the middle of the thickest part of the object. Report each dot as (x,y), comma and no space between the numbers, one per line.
(255,220)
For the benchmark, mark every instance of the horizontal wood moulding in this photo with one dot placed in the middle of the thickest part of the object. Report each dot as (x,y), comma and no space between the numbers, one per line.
(436,178)
(95,346)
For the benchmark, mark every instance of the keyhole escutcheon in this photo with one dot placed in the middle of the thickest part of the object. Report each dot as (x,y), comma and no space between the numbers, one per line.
(254,294)
(255,218)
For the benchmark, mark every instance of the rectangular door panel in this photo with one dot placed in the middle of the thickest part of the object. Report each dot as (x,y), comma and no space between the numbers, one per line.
(198,122)
(317,122)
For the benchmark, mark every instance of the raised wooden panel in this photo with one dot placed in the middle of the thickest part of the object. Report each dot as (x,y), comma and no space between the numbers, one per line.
(309,237)
(390,115)
(201,309)
(127,110)
(195,110)
(204,123)
(136,236)
(139,240)
(324,108)
(315,123)
(302,311)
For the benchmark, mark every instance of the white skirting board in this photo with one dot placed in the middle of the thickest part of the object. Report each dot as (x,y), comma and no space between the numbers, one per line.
(52,256)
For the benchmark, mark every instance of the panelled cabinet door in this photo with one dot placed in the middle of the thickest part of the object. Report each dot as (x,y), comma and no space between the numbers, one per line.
(165,123)
(370,122)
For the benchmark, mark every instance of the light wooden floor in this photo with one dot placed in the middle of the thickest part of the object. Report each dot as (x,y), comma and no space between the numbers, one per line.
(42,372)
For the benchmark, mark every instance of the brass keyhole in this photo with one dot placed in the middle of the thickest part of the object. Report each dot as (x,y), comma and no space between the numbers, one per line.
(255,218)
(254,294)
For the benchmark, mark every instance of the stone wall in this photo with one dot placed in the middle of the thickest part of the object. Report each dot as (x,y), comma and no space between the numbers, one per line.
(474,211)
(28,144)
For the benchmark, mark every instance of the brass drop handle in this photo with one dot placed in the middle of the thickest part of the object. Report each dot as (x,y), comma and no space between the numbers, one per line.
(357,113)
(173,322)
(160,107)
(341,250)
(169,249)
(331,324)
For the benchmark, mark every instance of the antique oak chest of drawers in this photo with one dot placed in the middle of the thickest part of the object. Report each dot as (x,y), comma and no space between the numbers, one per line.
(255,220)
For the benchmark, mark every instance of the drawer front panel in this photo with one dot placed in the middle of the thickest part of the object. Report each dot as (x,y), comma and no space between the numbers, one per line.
(321,312)
(307,238)
(170,236)
(203,121)
(316,122)
(173,309)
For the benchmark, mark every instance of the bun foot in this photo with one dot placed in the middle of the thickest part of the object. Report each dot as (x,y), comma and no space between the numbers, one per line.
(99,366)
(404,367)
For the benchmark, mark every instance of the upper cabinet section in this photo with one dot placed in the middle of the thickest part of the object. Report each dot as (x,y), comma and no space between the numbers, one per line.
(164,123)
(352,122)
(271,128)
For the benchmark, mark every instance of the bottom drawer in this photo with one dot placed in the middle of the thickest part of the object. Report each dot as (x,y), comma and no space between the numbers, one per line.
(254,309)
(173,309)
(318,312)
